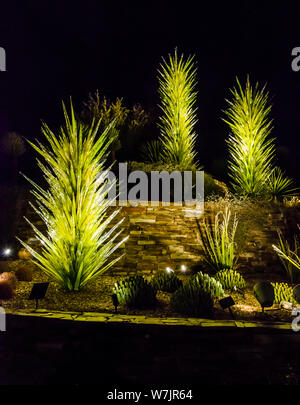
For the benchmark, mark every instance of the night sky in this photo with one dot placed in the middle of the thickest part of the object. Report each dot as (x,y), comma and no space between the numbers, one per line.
(56,49)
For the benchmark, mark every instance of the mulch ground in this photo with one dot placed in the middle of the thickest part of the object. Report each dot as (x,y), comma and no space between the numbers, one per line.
(96,297)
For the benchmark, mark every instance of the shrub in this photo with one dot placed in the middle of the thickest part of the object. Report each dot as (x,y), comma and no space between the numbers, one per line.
(128,123)
(135,292)
(151,151)
(282,292)
(24,274)
(288,256)
(208,284)
(230,279)
(6,290)
(218,240)
(10,278)
(78,244)
(296,293)
(212,187)
(167,282)
(264,293)
(192,300)
(177,81)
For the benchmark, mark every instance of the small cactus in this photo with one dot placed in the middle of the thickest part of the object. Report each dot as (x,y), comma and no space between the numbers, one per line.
(10,278)
(135,292)
(167,282)
(209,284)
(192,300)
(230,279)
(296,293)
(283,292)
(264,293)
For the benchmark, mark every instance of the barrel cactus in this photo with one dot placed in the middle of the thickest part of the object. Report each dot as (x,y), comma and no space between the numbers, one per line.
(230,279)
(192,300)
(135,292)
(10,278)
(264,293)
(167,282)
(209,284)
(282,292)
(296,293)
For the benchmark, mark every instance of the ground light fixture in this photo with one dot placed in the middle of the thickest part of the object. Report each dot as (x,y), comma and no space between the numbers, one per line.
(286,305)
(183,268)
(38,292)
(169,270)
(7,252)
(115,301)
(227,302)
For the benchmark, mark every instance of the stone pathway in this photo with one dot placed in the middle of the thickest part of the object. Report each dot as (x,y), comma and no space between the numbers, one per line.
(146,320)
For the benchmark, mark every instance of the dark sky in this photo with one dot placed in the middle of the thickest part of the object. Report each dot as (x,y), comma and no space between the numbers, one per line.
(59,48)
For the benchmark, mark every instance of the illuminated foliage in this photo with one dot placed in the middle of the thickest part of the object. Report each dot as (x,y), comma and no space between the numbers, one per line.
(288,256)
(218,240)
(77,246)
(177,81)
(280,186)
(251,149)
(127,122)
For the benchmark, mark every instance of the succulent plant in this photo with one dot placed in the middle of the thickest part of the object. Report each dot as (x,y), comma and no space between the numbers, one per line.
(283,292)
(264,293)
(24,274)
(192,300)
(230,279)
(296,293)
(209,284)
(135,292)
(167,282)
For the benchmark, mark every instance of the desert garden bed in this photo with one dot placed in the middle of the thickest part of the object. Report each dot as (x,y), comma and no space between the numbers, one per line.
(96,297)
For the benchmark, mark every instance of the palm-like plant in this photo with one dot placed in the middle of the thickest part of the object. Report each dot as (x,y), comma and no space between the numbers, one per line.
(251,149)
(218,240)
(74,207)
(177,81)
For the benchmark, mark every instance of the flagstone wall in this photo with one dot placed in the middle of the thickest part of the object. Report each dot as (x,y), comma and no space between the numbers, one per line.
(168,236)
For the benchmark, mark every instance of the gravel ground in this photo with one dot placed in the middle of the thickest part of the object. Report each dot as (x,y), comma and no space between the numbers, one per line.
(96,297)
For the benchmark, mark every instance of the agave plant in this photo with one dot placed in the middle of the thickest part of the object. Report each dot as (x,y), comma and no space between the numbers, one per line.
(74,208)
(177,81)
(279,186)
(218,240)
(251,149)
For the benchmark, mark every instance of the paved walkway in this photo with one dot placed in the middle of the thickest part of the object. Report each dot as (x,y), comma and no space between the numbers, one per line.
(147,320)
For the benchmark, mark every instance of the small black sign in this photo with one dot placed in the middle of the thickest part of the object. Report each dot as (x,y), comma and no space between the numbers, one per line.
(226,302)
(38,292)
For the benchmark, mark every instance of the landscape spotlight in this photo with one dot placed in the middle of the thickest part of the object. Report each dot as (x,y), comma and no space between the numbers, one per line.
(169,270)
(7,252)
(115,301)
(183,268)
